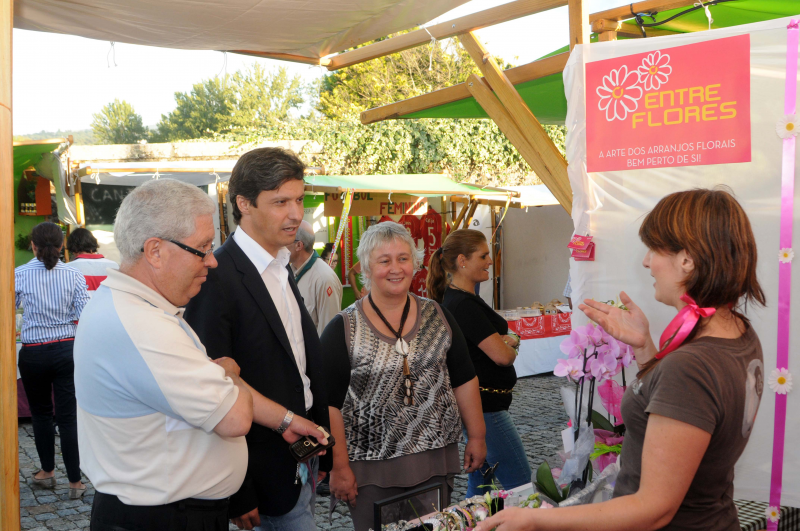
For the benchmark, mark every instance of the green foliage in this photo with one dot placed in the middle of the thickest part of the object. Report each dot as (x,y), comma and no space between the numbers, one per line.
(83,137)
(347,92)
(23,242)
(118,123)
(469,150)
(217,105)
(547,485)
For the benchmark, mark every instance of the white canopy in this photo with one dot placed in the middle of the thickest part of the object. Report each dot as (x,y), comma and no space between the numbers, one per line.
(311,29)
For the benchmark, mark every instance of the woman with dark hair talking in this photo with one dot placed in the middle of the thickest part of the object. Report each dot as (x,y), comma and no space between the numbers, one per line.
(691,409)
(53,296)
(455,269)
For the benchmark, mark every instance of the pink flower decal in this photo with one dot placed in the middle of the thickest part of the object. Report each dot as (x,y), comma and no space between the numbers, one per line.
(655,70)
(620,93)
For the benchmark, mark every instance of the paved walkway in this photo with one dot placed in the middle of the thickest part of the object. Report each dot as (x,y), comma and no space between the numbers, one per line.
(537,411)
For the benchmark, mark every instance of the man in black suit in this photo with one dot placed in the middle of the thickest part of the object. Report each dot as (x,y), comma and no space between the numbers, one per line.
(250,310)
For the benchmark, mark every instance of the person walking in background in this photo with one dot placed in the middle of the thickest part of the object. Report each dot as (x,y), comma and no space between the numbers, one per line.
(53,296)
(326,254)
(400,383)
(455,269)
(160,424)
(318,284)
(83,246)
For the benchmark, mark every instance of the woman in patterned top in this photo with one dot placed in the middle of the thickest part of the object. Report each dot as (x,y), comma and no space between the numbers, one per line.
(400,384)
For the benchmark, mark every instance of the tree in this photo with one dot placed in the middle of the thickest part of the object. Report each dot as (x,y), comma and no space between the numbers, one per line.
(118,123)
(208,108)
(247,99)
(264,97)
(347,92)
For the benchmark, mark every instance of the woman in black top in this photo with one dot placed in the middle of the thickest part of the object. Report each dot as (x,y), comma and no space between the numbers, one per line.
(455,269)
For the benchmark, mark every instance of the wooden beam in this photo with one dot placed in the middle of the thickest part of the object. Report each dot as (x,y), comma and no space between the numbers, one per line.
(316,61)
(489,202)
(578,23)
(470,214)
(627,29)
(40,142)
(648,6)
(548,164)
(517,75)
(461,214)
(9,445)
(483,94)
(444,30)
(607,36)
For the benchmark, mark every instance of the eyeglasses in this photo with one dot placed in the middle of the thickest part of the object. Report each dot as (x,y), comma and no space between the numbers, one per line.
(197,252)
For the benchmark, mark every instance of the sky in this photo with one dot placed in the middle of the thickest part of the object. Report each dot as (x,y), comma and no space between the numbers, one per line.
(62,90)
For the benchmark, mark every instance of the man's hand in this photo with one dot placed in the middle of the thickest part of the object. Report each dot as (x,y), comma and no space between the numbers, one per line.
(474,454)
(228,364)
(343,485)
(247,521)
(300,427)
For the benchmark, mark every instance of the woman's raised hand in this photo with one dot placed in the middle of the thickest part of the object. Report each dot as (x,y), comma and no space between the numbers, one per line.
(629,326)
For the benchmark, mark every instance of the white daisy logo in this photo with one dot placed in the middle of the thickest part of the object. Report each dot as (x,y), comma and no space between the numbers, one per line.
(655,70)
(773,514)
(619,94)
(788,126)
(780,381)
(786,256)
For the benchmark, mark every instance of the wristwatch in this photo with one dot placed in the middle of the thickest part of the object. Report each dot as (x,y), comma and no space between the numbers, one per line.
(287,419)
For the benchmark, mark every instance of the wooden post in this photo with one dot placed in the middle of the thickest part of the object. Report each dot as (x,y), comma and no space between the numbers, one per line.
(9,445)
(607,36)
(487,100)
(548,163)
(578,23)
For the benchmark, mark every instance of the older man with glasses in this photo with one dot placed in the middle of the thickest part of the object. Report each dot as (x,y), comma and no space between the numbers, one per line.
(160,425)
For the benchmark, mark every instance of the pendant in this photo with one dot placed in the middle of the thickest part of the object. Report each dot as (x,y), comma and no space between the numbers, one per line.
(401,347)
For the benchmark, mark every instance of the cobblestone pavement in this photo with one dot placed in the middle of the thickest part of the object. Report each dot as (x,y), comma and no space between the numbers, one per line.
(537,412)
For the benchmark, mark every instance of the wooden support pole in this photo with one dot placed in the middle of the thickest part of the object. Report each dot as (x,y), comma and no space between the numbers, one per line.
(470,214)
(607,36)
(461,214)
(578,23)
(648,6)
(520,74)
(444,30)
(489,102)
(9,445)
(548,163)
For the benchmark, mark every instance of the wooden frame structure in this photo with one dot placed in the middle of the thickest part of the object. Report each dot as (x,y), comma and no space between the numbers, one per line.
(494,91)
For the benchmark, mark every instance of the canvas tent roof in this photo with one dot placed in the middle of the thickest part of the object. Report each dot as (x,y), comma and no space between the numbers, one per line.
(201,173)
(307,29)
(545,96)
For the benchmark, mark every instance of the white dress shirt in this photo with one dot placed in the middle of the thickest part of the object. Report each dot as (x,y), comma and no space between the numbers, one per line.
(276,278)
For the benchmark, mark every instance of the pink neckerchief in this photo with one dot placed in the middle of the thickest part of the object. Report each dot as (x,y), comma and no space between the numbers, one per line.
(682,325)
(89,256)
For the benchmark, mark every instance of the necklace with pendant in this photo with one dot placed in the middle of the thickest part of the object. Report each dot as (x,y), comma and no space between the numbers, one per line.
(401,347)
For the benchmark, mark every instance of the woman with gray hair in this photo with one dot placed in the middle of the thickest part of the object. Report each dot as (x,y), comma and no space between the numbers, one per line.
(400,384)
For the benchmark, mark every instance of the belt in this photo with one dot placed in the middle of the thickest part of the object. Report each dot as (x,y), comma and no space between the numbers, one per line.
(195,503)
(497,391)
(48,342)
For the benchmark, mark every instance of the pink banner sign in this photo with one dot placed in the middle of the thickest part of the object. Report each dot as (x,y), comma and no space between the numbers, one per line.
(682,106)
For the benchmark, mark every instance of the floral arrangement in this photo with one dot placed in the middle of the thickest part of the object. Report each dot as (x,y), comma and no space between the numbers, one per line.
(462,516)
(594,358)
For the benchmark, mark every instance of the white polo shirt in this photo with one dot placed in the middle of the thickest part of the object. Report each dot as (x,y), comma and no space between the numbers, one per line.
(149,399)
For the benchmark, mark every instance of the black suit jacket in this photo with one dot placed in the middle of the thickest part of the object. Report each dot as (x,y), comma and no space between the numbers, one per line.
(235,316)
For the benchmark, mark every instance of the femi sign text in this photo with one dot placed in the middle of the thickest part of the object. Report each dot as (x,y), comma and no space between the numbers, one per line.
(682,106)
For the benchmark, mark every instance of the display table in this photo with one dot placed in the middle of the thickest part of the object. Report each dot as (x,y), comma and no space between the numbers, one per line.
(752,516)
(541,338)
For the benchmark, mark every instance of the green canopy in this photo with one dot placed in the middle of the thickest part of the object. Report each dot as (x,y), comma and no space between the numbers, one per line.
(416,184)
(25,156)
(545,96)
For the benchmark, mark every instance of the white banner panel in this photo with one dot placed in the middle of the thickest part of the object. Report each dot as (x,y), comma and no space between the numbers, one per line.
(610,206)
